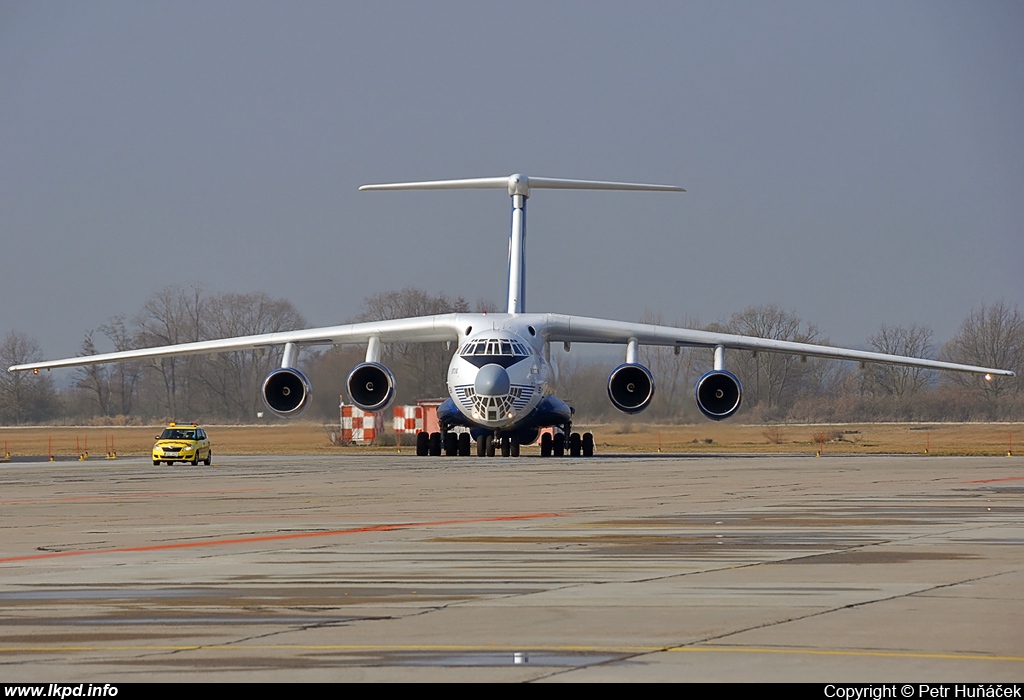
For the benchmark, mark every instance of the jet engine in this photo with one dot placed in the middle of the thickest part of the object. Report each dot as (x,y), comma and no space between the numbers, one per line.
(718,394)
(371,386)
(286,391)
(630,388)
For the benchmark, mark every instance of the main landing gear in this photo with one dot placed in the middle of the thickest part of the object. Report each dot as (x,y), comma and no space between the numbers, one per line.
(555,444)
(458,444)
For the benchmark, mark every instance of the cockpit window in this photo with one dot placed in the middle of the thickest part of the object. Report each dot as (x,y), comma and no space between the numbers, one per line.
(503,347)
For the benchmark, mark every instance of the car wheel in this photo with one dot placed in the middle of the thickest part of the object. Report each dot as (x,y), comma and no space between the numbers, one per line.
(156,462)
(209,458)
(195,459)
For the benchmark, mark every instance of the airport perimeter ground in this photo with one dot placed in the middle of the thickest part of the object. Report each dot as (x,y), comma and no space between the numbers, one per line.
(629,567)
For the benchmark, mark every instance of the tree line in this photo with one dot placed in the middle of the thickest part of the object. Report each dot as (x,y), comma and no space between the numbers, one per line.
(225,387)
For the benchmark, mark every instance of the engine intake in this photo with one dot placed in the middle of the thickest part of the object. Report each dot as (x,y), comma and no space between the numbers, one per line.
(286,391)
(718,394)
(630,388)
(371,386)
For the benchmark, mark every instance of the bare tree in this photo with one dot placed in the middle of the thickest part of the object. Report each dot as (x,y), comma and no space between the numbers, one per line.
(675,370)
(990,336)
(420,368)
(903,383)
(24,396)
(92,379)
(770,379)
(169,317)
(123,376)
(232,379)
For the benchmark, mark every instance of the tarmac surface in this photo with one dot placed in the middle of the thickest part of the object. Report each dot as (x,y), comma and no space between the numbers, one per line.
(617,568)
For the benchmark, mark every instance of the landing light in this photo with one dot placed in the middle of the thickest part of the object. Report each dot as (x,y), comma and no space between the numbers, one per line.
(988,377)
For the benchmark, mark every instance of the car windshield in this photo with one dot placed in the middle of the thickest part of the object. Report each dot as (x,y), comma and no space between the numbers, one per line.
(178,434)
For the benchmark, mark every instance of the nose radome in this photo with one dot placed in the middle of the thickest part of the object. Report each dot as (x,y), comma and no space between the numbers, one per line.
(492,380)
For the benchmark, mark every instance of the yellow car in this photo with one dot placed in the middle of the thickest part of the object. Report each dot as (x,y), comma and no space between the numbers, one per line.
(182,443)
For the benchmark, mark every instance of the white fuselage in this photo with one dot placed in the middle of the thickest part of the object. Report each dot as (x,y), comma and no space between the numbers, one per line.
(496,378)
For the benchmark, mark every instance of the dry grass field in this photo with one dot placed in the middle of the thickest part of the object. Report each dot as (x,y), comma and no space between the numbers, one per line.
(310,438)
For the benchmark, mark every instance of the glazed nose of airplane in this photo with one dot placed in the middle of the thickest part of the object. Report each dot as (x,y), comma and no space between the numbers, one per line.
(492,380)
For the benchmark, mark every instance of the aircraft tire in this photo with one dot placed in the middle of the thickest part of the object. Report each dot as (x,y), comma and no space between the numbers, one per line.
(515,448)
(575,445)
(588,444)
(545,445)
(506,447)
(451,444)
(490,445)
(464,444)
(558,445)
(481,446)
(422,444)
(435,444)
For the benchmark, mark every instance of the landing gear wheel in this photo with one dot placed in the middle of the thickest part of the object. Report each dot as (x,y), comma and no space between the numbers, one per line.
(558,445)
(575,445)
(490,446)
(435,444)
(481,445)
(451,444)
(422,444)
(506,447)
(515,448)
(588,444)
(545,445)
(463,444)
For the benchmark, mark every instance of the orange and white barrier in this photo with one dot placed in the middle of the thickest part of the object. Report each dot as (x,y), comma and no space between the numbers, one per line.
(358,426)
(408,419)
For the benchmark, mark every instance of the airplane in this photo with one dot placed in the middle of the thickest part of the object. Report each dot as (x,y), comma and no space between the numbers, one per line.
(500,374)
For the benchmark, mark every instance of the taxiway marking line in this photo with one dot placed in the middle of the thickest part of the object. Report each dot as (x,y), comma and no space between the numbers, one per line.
(565,648)
(274,538)
(992,481)
(117,496)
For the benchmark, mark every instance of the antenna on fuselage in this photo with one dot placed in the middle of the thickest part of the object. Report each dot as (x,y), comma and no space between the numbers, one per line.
(519,187)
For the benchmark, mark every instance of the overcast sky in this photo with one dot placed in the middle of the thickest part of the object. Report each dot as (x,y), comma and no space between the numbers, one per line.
(857,163)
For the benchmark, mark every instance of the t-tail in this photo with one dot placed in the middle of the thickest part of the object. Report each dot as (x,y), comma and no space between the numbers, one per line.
(519,187)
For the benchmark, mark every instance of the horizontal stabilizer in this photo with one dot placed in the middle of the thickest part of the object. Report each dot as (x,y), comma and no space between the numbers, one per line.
(520,184)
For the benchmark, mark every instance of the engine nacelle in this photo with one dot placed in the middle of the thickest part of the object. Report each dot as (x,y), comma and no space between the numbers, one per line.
(286,391)
(630,388)
(371,386)
(718,394)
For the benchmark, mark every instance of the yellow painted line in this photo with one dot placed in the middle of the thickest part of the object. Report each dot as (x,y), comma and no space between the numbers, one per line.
(847,652)
(363,648)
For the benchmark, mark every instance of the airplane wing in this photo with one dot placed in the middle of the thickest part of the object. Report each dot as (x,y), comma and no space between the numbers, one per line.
(579,329)
(423,329)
